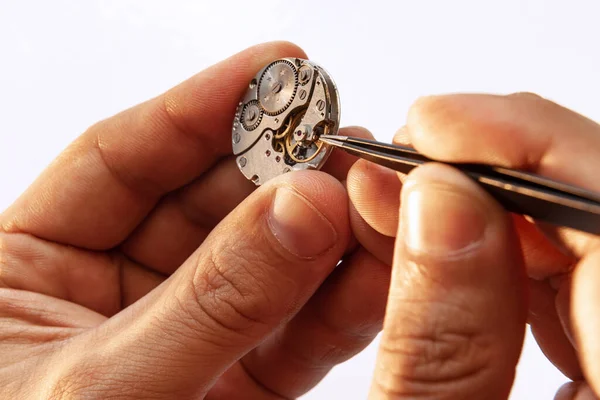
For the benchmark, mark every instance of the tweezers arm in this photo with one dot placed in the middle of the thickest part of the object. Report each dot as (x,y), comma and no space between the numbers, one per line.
(526,197)
(395,162)
(547,206)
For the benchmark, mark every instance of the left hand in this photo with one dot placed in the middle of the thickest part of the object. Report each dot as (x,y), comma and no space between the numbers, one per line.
(140,263)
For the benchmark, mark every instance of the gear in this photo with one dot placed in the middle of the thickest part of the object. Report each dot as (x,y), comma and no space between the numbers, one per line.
(305,74)
(273,131)
(302,152)
(251,115)
(277,87)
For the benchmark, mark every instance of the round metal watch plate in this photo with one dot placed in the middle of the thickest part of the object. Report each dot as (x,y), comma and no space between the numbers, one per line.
(289,103)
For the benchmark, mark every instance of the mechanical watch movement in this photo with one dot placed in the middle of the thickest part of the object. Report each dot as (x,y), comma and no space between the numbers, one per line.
(277,124)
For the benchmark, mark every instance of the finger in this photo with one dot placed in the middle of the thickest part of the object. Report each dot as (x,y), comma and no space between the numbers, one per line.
(340,162)
(341,319)
(455,318)
(548,330)
(374,190)
(575,391)
(374,196)
(252,274)
(381,246)
(102,282)
(522,130)
(542,258)
(402,137)
(181,221)
(105,183)
(584,316)
(378,206)
(547,304)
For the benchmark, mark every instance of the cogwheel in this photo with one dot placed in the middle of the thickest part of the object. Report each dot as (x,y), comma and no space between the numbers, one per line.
(251,115)
(277,87)
(305,73)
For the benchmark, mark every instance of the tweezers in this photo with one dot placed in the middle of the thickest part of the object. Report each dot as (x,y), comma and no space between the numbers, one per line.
(518,192)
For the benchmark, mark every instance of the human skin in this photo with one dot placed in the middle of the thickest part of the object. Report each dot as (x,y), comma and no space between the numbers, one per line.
(142,264)
(467,276)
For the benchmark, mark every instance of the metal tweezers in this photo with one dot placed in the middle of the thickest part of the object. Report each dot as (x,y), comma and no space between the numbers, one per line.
(518,192)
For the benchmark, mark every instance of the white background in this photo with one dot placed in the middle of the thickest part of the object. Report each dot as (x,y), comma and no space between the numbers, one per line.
(66,64)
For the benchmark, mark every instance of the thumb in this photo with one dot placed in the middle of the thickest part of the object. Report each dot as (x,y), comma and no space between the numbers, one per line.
(456,312)
(253,273)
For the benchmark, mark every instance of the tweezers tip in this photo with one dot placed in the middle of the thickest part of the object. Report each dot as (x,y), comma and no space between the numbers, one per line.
(335,137)
(333,140)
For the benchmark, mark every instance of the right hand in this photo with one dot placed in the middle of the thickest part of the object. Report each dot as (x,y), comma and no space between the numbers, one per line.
(455,319)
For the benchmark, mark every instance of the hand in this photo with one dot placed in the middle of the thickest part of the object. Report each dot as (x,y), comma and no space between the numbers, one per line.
(466,275)
(142,264)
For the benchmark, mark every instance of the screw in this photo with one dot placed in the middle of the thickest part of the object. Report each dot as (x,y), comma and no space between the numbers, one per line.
(242,162)
(236,137)
(268,153)
(277,158)
(268,137)
(305,74)
(321,104)
(286,169)
(251,115)
(302,94)
(276,88)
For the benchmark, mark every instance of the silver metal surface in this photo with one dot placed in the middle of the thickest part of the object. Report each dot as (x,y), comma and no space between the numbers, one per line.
(288,105)
(251,115)
(277,87)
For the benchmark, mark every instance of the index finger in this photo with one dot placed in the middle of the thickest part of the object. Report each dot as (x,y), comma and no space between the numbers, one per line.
(98,190)
(522,131)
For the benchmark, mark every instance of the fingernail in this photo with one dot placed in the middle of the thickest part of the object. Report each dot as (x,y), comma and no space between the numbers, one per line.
(439,215)
(402,137)
(299,226)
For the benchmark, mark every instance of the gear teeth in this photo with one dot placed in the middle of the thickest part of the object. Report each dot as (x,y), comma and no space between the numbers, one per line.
(292,95)
(254,125)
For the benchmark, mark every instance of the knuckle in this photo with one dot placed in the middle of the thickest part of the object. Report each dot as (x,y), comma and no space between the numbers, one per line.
(328,347)
(90,375)
(533,100)
(15,250)
(236,292)
(448,350)
(335,352)
(526,96)
(86,383)
(73,383)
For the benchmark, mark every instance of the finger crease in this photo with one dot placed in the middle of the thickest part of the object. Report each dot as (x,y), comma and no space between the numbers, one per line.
(185,131)
(261,385)
(145,188)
